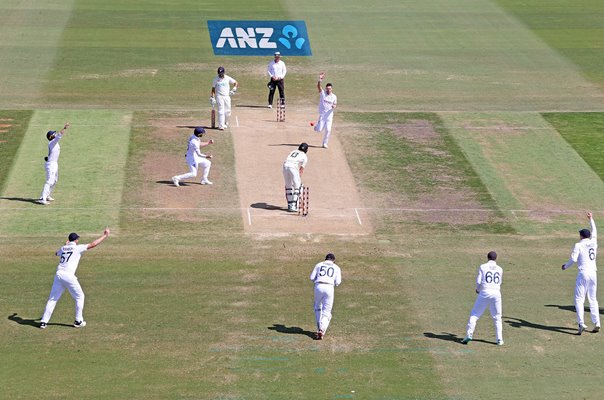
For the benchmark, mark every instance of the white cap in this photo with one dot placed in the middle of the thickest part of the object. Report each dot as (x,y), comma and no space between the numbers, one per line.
(277,54)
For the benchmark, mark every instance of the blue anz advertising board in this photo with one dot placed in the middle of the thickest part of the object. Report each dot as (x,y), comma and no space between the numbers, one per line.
(259,38)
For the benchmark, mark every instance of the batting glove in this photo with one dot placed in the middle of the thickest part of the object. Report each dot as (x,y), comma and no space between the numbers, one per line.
(232,92)
(212,101)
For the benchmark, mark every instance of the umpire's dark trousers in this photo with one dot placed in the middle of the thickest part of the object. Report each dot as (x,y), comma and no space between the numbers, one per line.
(271,87)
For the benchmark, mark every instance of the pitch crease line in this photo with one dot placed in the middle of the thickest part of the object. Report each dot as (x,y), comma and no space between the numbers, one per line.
(358,217)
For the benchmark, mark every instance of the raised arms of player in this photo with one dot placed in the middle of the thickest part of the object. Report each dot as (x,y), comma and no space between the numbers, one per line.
(592,223)
(321,76)
(99,240)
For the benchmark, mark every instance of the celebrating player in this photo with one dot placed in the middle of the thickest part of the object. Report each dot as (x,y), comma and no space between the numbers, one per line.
(328,102)
(488,288)
(69,258)
(221,95)
(293,167)
(584,254)
(52,164)
(326,275)
(196,158)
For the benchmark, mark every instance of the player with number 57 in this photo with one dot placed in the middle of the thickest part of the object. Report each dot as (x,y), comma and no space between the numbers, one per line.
(488,287)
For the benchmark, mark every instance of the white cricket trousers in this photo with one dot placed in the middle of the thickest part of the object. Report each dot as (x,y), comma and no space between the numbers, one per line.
(224,110)
(52,176)
(291,176)
(587,285)
(324,294)
(324,125)
(64,280)
(491,299)
(204,163)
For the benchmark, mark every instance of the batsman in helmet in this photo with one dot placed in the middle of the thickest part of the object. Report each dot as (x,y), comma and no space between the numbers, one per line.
(293,167)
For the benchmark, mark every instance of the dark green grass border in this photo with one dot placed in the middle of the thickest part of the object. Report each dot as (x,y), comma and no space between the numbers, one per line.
(585,133)
(11,140)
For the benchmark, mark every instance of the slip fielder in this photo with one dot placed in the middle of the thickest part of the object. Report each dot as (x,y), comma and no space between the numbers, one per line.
(326,275)
(488,288)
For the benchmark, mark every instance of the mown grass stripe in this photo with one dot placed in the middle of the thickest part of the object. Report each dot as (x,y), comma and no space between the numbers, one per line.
(91,172)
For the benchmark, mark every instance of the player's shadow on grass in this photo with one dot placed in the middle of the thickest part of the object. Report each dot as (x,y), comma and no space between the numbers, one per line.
(266,206)
(522,323)
(451,337)
(572,308)
(170,183)
(29,322)
(291,330)
(197,126)
(22,199)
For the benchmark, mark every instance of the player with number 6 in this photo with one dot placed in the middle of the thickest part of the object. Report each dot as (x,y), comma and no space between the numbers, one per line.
(488,288)
(326,275)
(584,254)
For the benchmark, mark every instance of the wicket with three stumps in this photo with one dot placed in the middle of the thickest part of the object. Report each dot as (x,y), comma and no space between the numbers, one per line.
(281,110)
(303,201)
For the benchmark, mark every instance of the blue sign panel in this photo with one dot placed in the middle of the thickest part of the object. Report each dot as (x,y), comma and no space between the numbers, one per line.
(259,38)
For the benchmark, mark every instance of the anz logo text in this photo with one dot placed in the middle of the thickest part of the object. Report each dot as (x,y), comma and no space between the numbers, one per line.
(258,38)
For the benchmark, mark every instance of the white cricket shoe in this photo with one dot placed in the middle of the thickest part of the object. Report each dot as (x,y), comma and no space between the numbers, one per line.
(79,324)
(325,146)
(466,340)
(206,182)
(500,342)
(582,328)
(270,106)
(50,199)
(44,202)
(596,329)
(175,181)
(43,325)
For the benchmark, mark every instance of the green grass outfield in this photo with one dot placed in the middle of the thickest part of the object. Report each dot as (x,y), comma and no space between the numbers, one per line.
(510,98)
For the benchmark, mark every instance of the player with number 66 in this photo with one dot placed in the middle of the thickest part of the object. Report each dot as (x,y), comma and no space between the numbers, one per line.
(488,288)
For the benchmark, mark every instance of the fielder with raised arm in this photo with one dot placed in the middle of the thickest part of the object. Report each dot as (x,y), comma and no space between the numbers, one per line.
(488,288)
(326,275)
(52,164)
(195,158)
(293,167)
(69,258)
(328,102)
(221,95)
(584,254)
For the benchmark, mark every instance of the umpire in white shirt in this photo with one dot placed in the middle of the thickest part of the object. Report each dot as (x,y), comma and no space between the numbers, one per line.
(276,70)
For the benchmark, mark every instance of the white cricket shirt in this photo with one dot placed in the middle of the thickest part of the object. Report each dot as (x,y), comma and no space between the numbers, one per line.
(277,69)
(54,150)
(490,277)
(585,251)
(223,85)
(326,272)
(296,158)
(326,102)
(70,257)
(194,154)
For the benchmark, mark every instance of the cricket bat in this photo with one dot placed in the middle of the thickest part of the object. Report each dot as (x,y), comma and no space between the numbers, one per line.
(213,117)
